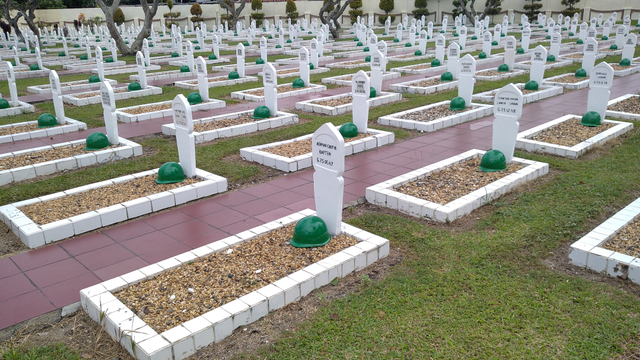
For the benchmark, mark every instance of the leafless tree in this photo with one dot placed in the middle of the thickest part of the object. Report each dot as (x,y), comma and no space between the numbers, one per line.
(149,13)
(13,21)
(230,6)
(461,7)
(333,15)
(27,8)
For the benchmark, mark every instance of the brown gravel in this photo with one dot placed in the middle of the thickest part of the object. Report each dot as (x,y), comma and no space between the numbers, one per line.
(529,62)
(68,206)
(627,240)
(420,66)
(288,71)
(43,156)
(20,129)
(146,109)
(569,79)
(216,79)
(570,133)
(280,89)
(630,105)
(454,182)
(335,102)
(68,83)
(524,91)
(493,73)
(427,83)
(97,93)
(218,124)
(573,56)
(353,62)
(618,67)
(433,113)
(222,277)
(301,147)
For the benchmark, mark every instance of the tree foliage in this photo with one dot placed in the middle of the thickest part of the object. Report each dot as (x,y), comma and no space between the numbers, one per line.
(292,10)
(571,9)
(256,5)
(533,9)
(494,8)
(460,7)
(387,6)
(421,9)
(170,16)
(118,16)
(355,12)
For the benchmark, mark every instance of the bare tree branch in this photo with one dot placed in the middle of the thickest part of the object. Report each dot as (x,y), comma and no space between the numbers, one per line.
(333,15)
(232,9)
(13,21)
(149,13)
(28,10)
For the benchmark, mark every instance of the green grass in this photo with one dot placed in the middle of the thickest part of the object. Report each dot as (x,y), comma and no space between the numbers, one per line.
(55,352)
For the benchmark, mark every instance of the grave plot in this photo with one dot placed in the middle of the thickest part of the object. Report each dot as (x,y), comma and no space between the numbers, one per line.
(526,65)
(577,57)
(499,73)
(340,104)
(233,124)
(30,130)
(161,75)
(345,80)
(70,85)
(531,94)
(569,81)
(421,193)
(92,65)
(421,68)
(436,116)
(284,90)
(283,73)
(424,86)
(161,109)
(121,93)
(412,57)
(611,247)
(125,69)
(214,82)
(111,303)
(625,68)
(27,73)
(567,138)
(625,107)
(353,64)
(58,216)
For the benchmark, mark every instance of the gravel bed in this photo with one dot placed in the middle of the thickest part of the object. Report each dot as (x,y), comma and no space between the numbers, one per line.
(335,102)
(20,129)
(68,83)
(627,241)
(434,113)
(353,62)
(218,124)
(68,206)
(529,62)
(280,89)
(97,93)
(146,109)
(427,83)
(573,56)
(524,91)
(419,67)
(301,147)
(44,156)
(213,281)
(446,185)
(570,133)
(569,79)
(619,67)
(493,73)
(218,79)
(288,71)
(630,105)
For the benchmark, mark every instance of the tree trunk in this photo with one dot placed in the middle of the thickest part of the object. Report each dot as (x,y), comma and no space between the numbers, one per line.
(13,21)
(232,9)
(149,13)
(333,15)
(471,13)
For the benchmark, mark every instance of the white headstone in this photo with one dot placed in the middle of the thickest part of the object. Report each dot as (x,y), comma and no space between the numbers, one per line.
(466,78)
(507,110)
(600,83)
(263,49)
(183,122)
(109,112)
(377,71)
(99,63)
(203,81)
(270,83)
(422,42)
(538,61)
(11,79)
(303,62)
(620,35)
(360,90)
(462,36)
(510,51)
(328,184)
(556,41)
(629,46)
(56,95)
(526,38)
(440,44)
(453,54)
(589,54)
(240,59)
(486,43)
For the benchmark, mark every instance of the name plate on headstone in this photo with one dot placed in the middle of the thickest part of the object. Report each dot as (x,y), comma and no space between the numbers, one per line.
(601,76)
(467,65)
(508,102)
(180,118)
(328,150)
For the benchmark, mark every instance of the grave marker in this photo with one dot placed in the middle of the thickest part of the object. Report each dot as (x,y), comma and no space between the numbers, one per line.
(629,46)
(399,32)
(270,83)
(510,51)
(556,40)
(303,62)
(466,78)
(600,82)
(382,47)
(142,73)
(109,112)
(240,59)
(263,49)
(589,55)
(11,79)
(453,54)
(538,61)
(526,38)
(462,36)
(592,32)
(440,44)
(327,155)
(314,52)
(360,91)
(507,111)
(620,35)
(422,42)
(183,122)
(203,81)
(56,95)
(38,58)
(377,72)
(486,43)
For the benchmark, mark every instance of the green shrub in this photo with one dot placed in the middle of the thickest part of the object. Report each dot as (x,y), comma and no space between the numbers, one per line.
(356,5)
(292,10)
(421,9)
(118,16)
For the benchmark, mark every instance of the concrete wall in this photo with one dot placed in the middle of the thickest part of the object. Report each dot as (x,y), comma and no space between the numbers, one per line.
(310,10)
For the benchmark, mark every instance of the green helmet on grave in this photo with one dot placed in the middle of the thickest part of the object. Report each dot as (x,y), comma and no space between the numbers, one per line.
(372,92)
(493,160)
(213,57)
(108,60)
(246,43)
(289,41)
(457,103)
(418,53)
(175,54)
(74,45)
(34,67)
(278,46)
(311,67)
(435,62)
(605,38)
(503,68)
(348,130)
(581,73)
(97,141)
(94,79)
(520,51)
(395,40)
(310,231)
(170,172)
(4,104)
(234,75)
(482,55)
(259,61)
(547,37)
(551,58)
(83,57)
(47,120)
(531,85)
(104,48)
(134,86)
(613,47)
(194,41)
(494,43)
(185,68)
(196,48)
(261,112)
(33,51)
(474,37)
(366,49)
(61,53)
(194,98)
(298,83)
(591,119)
(367,58)
(359,43)
(408,45)
(625,62)
(446,76)
(356,39)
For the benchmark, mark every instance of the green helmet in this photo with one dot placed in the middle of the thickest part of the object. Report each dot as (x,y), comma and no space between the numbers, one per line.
(310,231)
(97,141)
(47,120)
(493,160)
(169,173)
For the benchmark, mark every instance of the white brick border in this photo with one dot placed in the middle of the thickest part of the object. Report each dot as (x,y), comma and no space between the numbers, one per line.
(70,126)
(378,138)
(547,66)
(185,339)
(74,100)
(92,65)
(347,65)
(125,150)
(544,91)
(383,194)
(23,108)
(318,70)
(524,142)
(396,119)
(126,69)
(579,60)
(28,74)
(68,86)
(193,84)
(409,69)
(634,68)
(311,106)
(506,75)
(569,86)
(407,86)
(282,119)
(341,79)
(620,114)
(588,252)
(162,75)
(125,117)
(33,235)
(312,88)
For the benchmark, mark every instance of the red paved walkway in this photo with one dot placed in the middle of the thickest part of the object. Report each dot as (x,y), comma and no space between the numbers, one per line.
(41,280)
